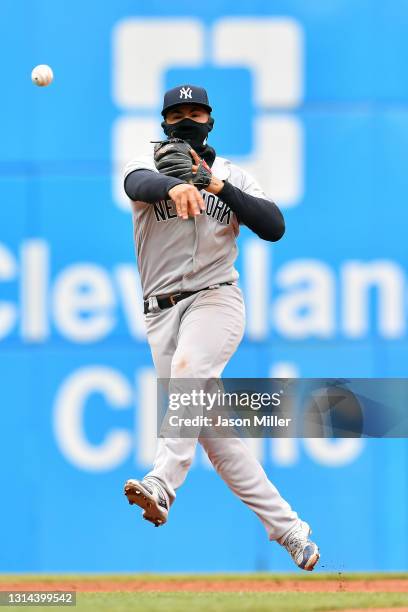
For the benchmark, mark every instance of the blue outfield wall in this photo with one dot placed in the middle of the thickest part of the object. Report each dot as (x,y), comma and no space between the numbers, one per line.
(311,98)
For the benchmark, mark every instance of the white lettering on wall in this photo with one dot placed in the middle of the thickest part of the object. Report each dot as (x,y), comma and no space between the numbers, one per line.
(306,308)
(298,299)
(83,303)
(69,407)
(384,277)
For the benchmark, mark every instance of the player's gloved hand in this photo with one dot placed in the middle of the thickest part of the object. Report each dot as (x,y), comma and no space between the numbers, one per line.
(173,157)
(215,185)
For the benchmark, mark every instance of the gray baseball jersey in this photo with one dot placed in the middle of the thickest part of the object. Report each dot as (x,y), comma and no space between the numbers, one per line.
(197,337)
(185,255)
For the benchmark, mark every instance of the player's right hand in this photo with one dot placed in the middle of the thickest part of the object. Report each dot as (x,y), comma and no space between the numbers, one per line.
(188,200)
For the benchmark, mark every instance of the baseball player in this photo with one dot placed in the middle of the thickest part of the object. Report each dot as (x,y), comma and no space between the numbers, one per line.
(187,207)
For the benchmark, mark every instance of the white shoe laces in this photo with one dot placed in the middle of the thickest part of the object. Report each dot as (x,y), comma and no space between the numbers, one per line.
(158,490)
(295,542)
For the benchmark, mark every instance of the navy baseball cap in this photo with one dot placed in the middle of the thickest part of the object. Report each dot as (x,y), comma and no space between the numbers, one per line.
(185,94)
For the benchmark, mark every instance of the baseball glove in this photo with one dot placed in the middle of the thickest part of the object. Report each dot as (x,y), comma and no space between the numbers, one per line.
(173,158)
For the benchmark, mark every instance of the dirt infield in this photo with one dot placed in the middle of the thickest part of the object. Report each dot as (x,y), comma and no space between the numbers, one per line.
(217,586)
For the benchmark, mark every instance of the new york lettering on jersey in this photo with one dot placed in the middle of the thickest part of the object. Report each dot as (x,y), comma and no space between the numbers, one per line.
(165,210)
(197,252)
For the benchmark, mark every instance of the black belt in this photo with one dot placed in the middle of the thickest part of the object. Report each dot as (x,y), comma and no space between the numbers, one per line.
(172,300)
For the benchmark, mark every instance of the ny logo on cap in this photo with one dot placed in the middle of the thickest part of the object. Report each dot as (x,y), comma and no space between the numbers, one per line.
(186,92)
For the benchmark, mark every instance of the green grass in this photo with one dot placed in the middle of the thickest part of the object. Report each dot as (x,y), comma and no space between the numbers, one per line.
(233,602)
(221,602)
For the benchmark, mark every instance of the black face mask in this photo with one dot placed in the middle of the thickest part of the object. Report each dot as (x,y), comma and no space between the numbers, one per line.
(194,133)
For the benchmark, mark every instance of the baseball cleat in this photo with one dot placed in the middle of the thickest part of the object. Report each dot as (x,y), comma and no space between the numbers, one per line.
(149,497)
(303,551)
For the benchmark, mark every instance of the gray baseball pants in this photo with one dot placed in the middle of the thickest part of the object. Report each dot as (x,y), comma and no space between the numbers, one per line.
(195,339)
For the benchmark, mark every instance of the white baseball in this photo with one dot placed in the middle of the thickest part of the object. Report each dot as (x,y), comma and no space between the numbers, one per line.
(42,75)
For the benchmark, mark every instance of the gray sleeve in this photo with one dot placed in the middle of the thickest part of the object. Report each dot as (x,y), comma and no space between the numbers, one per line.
(149,186)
